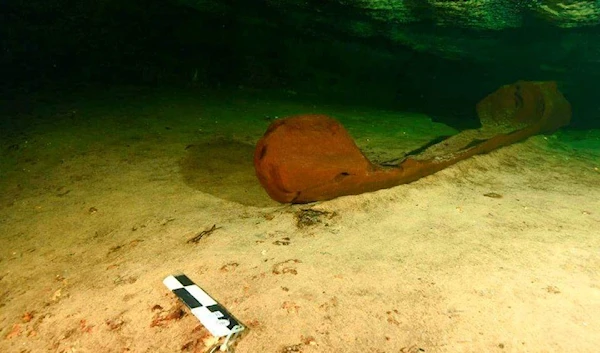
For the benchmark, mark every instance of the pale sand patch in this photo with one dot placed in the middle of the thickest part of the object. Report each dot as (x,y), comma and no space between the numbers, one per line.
(433,266)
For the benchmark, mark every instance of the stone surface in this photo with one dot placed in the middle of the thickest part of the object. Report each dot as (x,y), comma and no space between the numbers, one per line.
(446,28)
(423,50)
(485,14)
(312,157)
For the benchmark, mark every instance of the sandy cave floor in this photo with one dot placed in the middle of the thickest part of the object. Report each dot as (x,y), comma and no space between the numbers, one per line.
(100,194)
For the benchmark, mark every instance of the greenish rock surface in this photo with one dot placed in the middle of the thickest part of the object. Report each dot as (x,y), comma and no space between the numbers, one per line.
(429,56)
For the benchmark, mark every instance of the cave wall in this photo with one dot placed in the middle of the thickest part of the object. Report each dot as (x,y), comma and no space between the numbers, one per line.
(328,49)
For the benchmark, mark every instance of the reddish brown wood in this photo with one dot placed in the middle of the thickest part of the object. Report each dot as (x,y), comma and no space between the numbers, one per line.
(309,158)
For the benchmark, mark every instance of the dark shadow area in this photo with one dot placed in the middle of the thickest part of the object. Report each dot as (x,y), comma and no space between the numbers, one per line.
(328,50)
(224,169)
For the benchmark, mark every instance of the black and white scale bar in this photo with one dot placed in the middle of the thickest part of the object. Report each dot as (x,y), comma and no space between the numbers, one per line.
(217,320)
